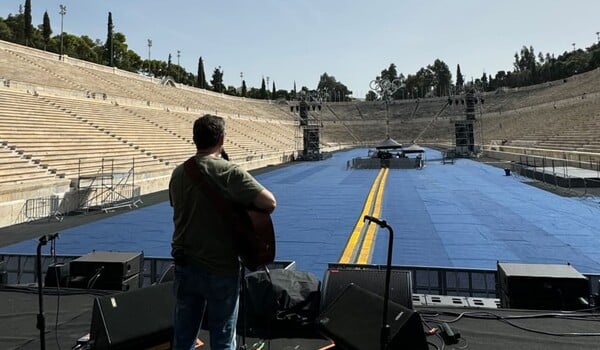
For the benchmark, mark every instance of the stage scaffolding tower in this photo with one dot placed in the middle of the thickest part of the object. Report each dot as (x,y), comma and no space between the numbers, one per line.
(308,111)
(464,130)
(109,187)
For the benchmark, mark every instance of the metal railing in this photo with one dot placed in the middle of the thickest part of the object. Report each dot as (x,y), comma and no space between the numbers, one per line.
(20,268)
(434,280)
(44,207)
(560,172)
(429,280)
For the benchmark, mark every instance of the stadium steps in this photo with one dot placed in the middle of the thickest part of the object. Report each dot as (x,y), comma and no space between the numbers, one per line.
(31,60)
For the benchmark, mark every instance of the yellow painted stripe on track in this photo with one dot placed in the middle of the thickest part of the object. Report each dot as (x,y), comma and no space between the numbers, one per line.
(353,240)
(367,246)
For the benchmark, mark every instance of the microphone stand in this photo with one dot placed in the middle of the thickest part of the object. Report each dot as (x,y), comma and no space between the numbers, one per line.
(41,320)
(243,302)
(385,327)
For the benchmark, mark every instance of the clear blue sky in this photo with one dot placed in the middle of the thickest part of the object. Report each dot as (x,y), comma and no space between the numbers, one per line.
(298,40)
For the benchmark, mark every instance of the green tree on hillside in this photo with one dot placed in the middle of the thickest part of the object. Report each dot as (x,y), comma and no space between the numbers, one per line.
(371,96)
(442,78)
(484,82)
(335,89)
(83,48)
(6,33)
(217,80)
(15,23)
(125,58)
(390,73)
(46,30)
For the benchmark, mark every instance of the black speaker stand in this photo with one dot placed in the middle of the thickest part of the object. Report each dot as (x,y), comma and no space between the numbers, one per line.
(385,326)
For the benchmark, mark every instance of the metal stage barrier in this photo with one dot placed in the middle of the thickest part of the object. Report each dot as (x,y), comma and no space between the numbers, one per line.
(44,207)
(429,280)
(433,280)
(20,268)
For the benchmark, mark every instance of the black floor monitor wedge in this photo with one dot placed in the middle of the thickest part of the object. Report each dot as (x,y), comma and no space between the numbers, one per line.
(353,322)
(138,319)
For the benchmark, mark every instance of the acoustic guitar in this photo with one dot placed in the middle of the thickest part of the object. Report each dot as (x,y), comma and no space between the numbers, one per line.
(252,228)
(254,237)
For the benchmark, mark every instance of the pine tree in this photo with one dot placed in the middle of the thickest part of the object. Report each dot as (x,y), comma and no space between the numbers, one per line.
(217,80)
(109,46)
(46,30)
(202,84)
(28,28)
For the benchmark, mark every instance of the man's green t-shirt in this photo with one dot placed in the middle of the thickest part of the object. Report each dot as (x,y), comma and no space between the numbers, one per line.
(200,230)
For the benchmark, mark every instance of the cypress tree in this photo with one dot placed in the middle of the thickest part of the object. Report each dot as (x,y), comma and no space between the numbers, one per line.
(274,93)
(108,48)
(263,90)
(202,84)
(28,28)
(459,79)
(46,30)
(244,89)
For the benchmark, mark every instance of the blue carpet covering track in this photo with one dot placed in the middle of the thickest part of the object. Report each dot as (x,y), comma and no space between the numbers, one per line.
(465,215)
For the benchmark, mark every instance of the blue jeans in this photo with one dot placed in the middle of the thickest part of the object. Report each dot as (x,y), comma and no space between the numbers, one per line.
(197,290)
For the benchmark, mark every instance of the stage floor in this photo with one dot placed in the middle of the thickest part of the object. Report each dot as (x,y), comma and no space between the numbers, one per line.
(462,215)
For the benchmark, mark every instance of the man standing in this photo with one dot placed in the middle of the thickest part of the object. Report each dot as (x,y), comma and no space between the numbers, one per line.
(207,269)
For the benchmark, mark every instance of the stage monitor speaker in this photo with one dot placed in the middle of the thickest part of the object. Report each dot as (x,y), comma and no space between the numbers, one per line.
(373,280)
(118,264)
(542,287)
(137,319)
(106,270)
(57,275)
(354,320)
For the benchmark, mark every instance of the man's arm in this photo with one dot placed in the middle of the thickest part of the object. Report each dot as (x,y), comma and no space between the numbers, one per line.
(265,200)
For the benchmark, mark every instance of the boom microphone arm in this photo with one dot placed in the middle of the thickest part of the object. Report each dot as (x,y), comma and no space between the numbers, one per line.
(379,222)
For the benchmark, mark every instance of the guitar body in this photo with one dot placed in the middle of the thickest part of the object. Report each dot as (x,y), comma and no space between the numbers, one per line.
(254,237)
(252,229)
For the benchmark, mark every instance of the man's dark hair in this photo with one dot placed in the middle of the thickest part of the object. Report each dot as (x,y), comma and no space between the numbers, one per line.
(207,131)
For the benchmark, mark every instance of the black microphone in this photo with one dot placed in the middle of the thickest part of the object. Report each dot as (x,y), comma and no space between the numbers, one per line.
(46,238)
(379,222)
(224,154)
(53,236)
